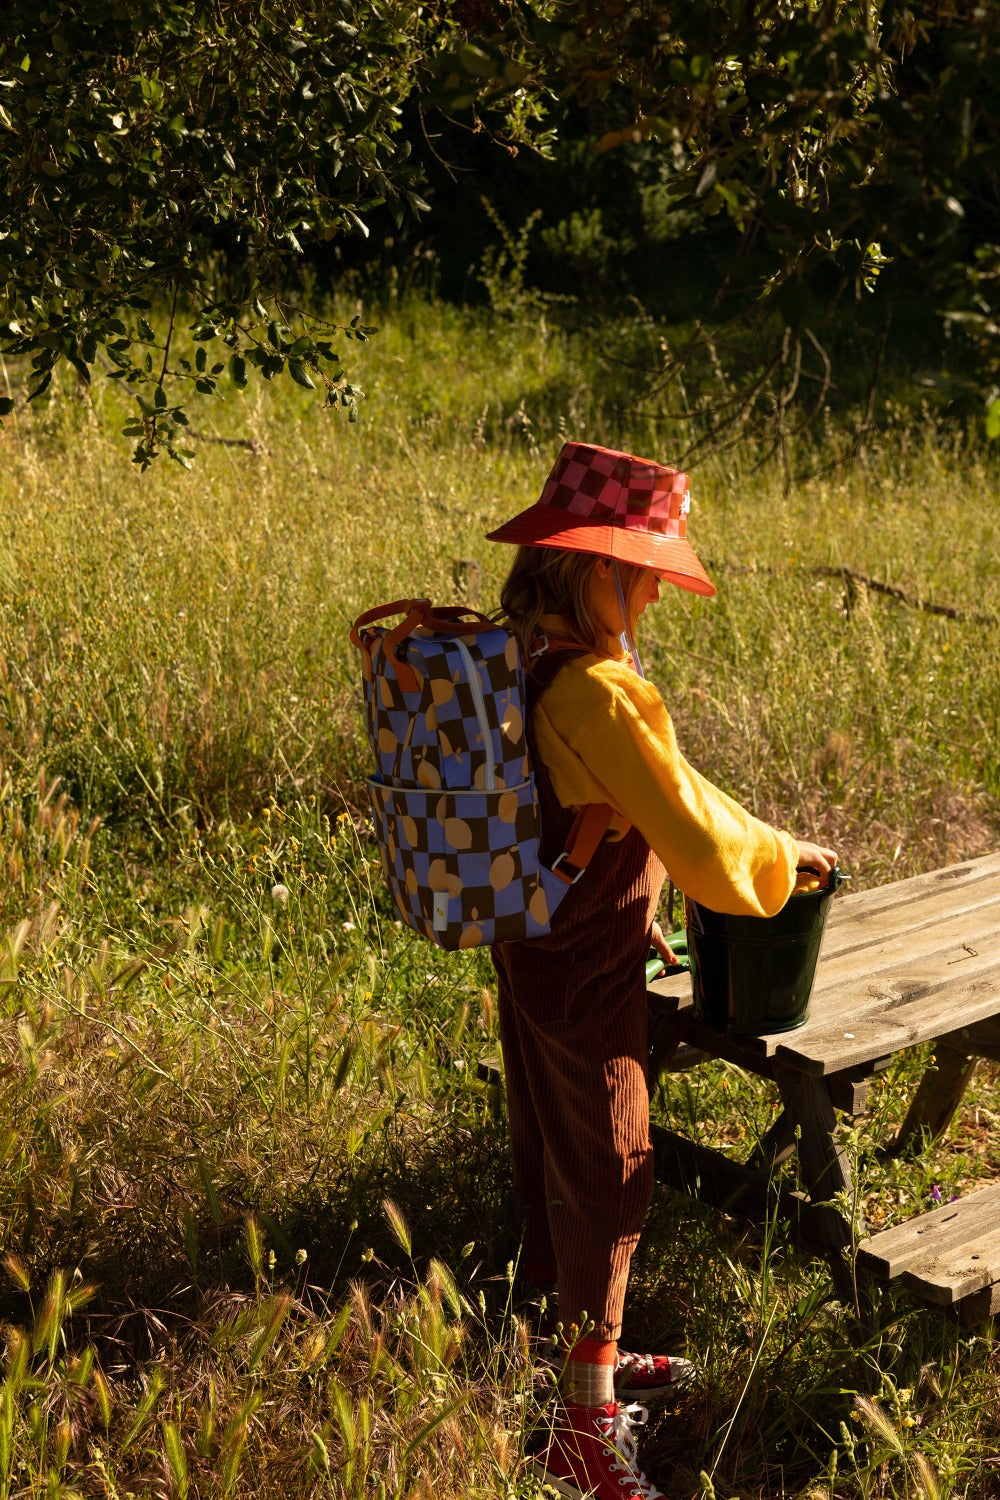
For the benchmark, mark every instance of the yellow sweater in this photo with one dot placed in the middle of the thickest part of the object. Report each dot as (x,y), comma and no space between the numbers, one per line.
(605,735)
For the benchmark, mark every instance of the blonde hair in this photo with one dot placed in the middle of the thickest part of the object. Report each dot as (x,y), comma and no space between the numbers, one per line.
(550,581)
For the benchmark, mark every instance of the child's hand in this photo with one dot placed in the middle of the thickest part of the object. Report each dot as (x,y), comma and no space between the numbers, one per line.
(663,948)
(815,857)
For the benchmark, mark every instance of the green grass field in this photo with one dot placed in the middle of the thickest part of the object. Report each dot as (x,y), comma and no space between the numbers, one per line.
(253,1194)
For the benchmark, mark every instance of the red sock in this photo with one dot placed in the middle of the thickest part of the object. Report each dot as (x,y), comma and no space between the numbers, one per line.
(588,1377)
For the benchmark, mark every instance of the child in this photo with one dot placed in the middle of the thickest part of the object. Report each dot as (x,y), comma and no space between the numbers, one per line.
(608,529)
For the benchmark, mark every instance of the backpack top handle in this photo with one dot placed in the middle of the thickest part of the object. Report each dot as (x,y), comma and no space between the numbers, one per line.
(418,614)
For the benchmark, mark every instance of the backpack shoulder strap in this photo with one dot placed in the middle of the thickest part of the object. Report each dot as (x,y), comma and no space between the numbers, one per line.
(548,656)
(588,829)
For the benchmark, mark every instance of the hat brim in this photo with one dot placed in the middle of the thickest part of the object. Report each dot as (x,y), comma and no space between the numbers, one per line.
(671,558)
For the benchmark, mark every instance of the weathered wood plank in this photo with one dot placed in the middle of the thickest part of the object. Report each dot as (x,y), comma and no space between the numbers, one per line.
(943,995)
(849,1090)
(873,1021)
(745,1051)
(951,885)
(776,1145)
(906,1246)
(914,962)
(708,1175)
(742,1190)
(848,942)
(952,939)
(982,1039)
(860,1039)
(967,1268)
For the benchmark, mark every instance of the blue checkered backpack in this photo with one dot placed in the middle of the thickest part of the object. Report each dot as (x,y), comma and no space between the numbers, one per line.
(453,798)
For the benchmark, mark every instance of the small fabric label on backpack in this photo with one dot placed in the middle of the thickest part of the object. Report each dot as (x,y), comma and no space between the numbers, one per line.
(440,911)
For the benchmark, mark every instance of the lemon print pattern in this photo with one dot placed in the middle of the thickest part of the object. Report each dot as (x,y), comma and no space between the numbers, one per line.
(453,800)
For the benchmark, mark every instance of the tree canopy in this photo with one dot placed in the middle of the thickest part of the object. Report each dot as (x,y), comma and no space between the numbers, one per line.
(840,154)
(185,152)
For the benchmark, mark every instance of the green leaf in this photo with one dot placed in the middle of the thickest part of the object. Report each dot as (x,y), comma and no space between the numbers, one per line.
(7,404)
(300,374)
(176,1456)
(474,60)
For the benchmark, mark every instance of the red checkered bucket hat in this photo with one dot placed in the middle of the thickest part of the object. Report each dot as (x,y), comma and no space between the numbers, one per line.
(630,509)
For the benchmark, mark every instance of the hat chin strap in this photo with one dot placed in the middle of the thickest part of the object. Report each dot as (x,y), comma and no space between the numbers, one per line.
(626,637)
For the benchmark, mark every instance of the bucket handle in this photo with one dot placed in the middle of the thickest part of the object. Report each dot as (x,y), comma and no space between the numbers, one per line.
(837,876)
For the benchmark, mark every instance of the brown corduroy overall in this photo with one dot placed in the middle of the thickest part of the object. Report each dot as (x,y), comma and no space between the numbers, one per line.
(572,1010)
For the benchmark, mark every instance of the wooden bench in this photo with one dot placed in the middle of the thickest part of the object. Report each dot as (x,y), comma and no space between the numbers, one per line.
(950,1255)
(903,964)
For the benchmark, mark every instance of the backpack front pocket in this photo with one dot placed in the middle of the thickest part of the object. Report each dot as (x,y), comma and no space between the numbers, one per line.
(463,866)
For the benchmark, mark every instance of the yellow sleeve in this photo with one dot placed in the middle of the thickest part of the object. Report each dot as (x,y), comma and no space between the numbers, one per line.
(605,735)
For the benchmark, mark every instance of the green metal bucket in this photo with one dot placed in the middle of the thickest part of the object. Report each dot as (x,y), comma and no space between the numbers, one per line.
(752,975)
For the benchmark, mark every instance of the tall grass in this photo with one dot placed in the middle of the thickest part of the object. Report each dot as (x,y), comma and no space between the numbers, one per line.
(180,639)
(253,1192)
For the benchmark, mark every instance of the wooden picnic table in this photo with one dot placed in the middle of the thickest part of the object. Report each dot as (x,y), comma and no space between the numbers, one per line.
(914,962)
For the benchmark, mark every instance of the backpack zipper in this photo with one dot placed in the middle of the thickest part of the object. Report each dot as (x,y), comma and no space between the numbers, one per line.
(479,703)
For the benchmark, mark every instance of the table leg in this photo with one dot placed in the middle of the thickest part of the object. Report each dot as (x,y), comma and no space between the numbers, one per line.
(825,1168)
(938,1095)
(776,1145)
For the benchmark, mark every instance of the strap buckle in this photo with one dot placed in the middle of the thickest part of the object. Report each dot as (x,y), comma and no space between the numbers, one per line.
(538,647)
(569,879)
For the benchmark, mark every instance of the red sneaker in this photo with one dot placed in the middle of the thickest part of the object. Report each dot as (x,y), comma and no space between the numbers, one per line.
(639,1377)
(590,1452)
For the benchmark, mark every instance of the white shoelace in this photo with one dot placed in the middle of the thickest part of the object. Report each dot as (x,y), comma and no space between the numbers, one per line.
(620,1431)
